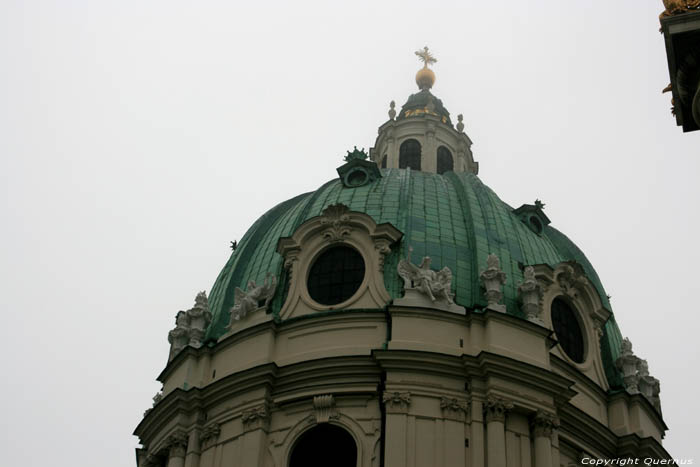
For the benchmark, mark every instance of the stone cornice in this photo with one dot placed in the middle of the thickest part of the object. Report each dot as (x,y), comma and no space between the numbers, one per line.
(644,402)
(414,360)
(579,427)
(635,446)
(489,364)
(570,371)
(179,403)
(488,315)
(274,326)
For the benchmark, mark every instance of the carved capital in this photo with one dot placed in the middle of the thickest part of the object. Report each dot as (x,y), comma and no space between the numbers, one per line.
(256,417)
(543,423)
(209,435)
(451,406)
(324,408)
(177,444)
(495,409)
(397,401)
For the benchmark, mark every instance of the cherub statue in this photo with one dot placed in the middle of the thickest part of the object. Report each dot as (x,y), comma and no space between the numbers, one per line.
(437,285)
(254,297)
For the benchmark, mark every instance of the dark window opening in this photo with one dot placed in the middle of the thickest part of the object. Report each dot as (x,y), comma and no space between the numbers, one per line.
(336,275)
(445,162)
(324,445)
(383,165)
(567,329)
(536,224)
(409,155)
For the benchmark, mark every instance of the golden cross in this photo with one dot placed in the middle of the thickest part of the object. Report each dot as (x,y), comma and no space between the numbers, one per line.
(426,57)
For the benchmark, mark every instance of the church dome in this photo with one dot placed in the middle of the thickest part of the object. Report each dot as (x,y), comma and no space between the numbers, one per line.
(454,218)
(402,300)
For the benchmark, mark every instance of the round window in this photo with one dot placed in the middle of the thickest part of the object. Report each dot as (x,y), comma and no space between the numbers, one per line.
(336,275)
(567,329)
(357,177)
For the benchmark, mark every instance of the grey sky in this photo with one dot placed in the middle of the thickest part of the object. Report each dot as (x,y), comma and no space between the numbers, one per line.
(138,138)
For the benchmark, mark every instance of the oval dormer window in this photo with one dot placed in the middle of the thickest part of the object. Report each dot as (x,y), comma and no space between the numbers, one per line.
(336,275)
(568,330)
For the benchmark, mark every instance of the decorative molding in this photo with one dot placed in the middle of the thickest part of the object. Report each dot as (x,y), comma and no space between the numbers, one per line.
(381,245)
(337,225)
(495,409)
(492,280)
(571,279)
(543,423)
(324,408)
(336,221)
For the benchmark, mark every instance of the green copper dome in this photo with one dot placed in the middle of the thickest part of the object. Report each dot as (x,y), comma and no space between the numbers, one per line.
(453,218)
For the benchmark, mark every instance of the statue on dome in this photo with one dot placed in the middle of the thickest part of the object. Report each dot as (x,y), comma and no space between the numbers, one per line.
(437,285)
(256,296)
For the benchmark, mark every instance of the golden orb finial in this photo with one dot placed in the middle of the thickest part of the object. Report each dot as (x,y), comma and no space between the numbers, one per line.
(425,78)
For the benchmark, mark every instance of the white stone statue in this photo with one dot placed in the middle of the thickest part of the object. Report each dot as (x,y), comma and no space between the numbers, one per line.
(627,363)
(200,317)
(180,336)
(530,294)
(492,280)
(256,296)
(437,285)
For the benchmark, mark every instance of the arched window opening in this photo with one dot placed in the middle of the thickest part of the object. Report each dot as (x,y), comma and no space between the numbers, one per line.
(383,165)
(336,275)
(567,330)
(409,155)
(445,163)
(324,445)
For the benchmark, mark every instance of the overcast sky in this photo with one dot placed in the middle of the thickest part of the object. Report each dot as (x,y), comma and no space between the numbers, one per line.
(137,138)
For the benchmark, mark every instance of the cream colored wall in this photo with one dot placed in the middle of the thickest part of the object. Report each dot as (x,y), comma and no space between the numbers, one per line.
(431,133)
